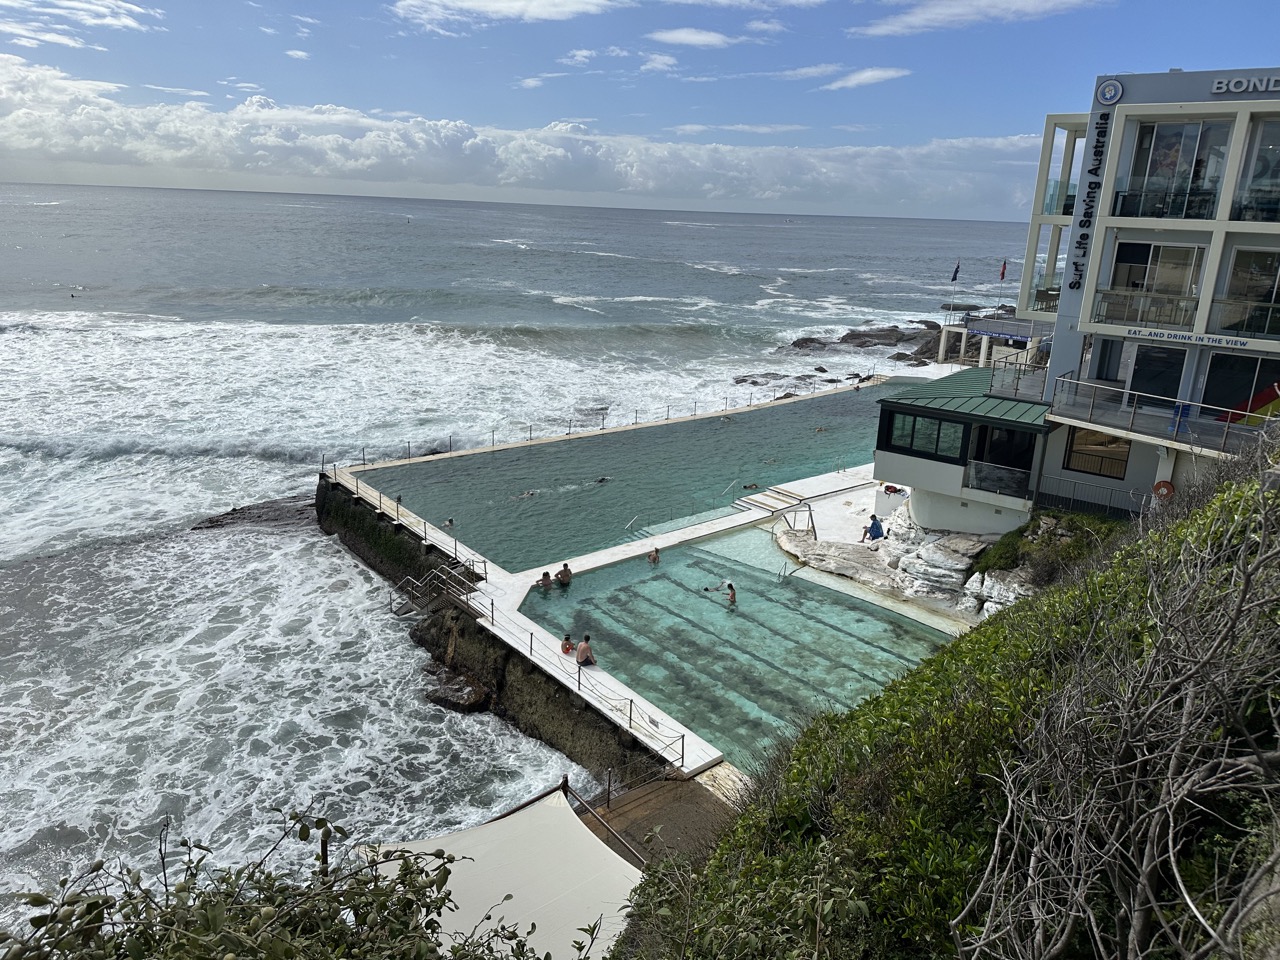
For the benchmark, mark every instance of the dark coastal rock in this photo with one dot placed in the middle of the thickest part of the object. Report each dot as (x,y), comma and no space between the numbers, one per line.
(786,396)
(454,691)
(960,307)
(928,348)
(820,369)
(810,343)
(285,513)
(759,379)
(900,356)
(918,363)
(930,324)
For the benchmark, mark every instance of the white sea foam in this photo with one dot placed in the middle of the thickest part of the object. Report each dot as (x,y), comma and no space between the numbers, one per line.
(236,670)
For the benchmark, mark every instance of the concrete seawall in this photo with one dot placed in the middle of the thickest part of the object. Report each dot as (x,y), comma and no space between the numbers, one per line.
(510,685)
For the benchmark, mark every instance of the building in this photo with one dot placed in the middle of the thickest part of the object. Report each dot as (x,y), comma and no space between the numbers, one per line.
(1149,303)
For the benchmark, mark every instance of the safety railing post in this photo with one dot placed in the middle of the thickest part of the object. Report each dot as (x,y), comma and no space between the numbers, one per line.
(579,678)
(530,644)
(451,443)
(682,749)
(695,408)
(631,705)
(608,789)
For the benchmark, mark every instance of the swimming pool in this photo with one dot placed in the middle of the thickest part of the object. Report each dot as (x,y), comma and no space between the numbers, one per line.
(535,505)
(735,676)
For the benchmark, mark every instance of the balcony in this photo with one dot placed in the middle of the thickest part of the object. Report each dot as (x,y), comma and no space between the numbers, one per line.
(1244,318)
(1018,381)
(1137,308)
(993,478)
(1162,419)
(1059,199)
(1261,205)
(1179,203)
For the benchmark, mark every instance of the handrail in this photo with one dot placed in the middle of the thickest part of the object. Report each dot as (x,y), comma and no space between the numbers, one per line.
(1115,406)
(396,450)
(732,484)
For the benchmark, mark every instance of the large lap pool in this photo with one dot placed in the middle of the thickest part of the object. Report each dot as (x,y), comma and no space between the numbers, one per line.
(735,676)
(535,505)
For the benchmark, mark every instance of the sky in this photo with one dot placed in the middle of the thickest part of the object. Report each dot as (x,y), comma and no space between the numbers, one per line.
(911,108)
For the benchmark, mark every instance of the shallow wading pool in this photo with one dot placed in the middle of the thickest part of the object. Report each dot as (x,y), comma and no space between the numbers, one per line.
(736,676)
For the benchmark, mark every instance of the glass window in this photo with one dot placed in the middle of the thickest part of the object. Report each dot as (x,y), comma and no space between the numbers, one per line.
(901,434)
(1157,372)
(927,437)
(1101,454)
(950,439)
(1253,276)
(1247,384)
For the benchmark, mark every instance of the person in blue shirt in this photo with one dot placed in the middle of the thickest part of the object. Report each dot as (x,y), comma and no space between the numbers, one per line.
(873,531)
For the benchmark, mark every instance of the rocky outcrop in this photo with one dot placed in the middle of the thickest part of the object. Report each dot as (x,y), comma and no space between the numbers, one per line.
(874,337)
(916,564)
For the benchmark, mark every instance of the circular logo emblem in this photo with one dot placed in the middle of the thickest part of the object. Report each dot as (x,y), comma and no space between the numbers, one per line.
(1109,92)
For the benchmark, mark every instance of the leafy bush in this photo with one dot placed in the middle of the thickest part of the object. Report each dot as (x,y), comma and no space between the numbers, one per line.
(352,909)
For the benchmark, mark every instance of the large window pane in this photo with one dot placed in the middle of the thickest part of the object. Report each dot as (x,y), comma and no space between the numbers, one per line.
(902,427)
(926,438)
(1253,276)
(1230,381)
(950,440)
(1091,451)
(1157,371)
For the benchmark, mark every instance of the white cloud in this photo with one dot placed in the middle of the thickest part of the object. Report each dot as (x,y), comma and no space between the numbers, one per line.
(689,129)
(310,21)
(862,78)
(32,23)
(269,31)
(577,58)
(532,83)
(928,15)
(809,73)
(434,15)
(298,54)
(179,90)
(766,26)
(659,63)
(693,37)
(51,121)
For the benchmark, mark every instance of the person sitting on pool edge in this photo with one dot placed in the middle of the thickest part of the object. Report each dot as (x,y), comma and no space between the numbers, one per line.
(873,531)
(584,654)
(545,580)
(564,575)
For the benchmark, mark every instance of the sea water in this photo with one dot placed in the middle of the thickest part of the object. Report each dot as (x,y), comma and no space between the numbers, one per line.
(170,355)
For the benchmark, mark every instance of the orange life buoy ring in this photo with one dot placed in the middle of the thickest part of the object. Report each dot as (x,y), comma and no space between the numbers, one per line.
(1163,490)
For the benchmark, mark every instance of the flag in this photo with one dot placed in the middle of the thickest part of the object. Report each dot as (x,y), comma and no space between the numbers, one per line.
(956,272)
(1002,269)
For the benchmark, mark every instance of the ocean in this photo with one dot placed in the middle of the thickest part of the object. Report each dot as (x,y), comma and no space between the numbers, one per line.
(170,355)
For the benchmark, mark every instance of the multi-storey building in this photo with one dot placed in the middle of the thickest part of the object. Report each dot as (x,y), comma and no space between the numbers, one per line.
(1150,300)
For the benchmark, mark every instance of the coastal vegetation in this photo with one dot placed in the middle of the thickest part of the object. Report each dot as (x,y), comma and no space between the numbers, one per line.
(392,904)
(1091,772)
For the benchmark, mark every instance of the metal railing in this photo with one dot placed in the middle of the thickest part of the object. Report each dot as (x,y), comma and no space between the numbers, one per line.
(1245,318)
(1260,206)
(543,651)
(1138,308)
(994,478)
(393,510)
(1018,381)
(1181,202)
(787,514)
(1084,497)
(1007,326)
(1168,419)
(742,400)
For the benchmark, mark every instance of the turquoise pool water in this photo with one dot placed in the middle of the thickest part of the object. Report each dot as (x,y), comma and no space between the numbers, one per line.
(538,505)
(736,676)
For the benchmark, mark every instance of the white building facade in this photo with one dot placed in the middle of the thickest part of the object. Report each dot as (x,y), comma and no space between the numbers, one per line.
(1154,253)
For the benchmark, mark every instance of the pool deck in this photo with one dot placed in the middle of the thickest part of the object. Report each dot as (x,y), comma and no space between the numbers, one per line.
(837,505)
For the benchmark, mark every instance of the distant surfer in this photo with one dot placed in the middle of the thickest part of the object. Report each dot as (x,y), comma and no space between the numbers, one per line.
(526,495)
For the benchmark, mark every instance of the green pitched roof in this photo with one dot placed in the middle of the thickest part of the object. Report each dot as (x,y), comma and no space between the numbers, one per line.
(965,394)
